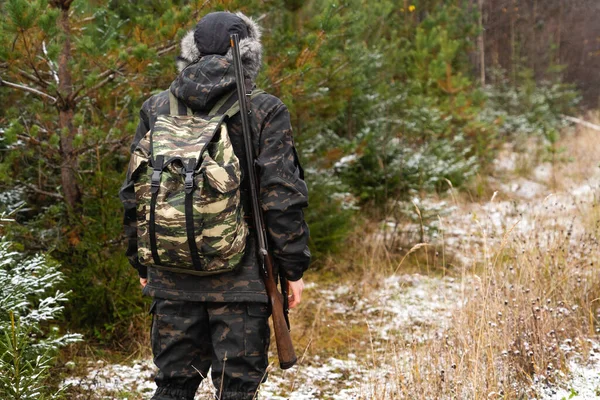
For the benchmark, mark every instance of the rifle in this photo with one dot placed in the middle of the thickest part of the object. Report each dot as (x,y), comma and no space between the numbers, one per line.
(285,348)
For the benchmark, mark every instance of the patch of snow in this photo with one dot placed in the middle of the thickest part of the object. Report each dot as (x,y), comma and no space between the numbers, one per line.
(107,379)
(543,173)
(468,230)
(333,379)
(506,162)
(583,382)
(524,188)
(12,198)
(414,307)
(346,160)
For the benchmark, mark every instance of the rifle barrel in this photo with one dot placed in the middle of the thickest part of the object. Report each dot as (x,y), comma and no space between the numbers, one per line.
(285,347)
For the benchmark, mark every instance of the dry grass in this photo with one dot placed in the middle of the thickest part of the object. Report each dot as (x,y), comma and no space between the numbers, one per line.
(533,307)
(525,304)
(581,149)
(530,302)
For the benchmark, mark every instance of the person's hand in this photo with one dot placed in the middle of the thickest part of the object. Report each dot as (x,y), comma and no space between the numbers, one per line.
(143,282)
(295,292)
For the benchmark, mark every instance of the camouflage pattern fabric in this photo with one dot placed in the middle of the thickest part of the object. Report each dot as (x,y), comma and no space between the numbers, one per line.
(218,227)
(184,347)
(283,192)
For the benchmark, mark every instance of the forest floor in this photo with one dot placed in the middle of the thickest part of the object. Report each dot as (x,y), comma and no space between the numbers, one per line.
(379,330)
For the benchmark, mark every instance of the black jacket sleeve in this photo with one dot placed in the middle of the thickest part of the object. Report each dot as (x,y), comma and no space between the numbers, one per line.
(127,196)
(283,194)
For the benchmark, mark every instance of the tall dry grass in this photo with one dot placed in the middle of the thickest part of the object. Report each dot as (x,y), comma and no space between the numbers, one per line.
(530,305)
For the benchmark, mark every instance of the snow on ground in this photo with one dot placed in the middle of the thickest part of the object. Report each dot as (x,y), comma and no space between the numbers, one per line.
(583,382)
(519,209)
(331,378)
(108,379)
(415,306)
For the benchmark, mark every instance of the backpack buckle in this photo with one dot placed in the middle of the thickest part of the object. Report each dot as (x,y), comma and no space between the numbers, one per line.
(155,180)
(189,175)
(189,182)
(156,173)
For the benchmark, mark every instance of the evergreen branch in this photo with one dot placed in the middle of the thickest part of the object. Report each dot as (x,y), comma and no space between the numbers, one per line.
(88,19)
(103,82)
(33,78)
(111,71)
(167,49)
(27,89)
(40,191)
(116,144)
(50,63)
(118,119)
(109,74)
(334,73)
(30,139)
(30,60)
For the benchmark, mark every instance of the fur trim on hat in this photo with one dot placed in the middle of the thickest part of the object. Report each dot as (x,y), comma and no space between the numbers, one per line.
(189,51)
(250,49)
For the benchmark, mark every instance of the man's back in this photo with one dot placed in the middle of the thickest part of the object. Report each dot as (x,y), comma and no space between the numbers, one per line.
(239,295)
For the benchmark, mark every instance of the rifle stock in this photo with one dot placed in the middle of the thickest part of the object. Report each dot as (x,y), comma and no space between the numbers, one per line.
(285,348)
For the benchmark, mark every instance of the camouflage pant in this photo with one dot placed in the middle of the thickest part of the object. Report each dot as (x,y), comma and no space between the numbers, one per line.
(189,337)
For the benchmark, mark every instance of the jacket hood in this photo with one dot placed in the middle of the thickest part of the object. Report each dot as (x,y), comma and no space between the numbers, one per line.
(201,84)
(250,50)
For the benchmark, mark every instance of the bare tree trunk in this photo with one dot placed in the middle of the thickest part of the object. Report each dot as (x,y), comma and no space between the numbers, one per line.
(66,108)
(494,36)
(533,54)
(559,30)
(513,56)
(481,44)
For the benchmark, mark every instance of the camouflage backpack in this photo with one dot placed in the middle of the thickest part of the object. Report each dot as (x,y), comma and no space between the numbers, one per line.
(187,189)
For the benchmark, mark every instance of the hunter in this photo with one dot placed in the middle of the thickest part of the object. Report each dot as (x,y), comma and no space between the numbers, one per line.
(221,321)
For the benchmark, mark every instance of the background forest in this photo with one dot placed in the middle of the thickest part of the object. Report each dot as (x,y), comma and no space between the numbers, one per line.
(388,98)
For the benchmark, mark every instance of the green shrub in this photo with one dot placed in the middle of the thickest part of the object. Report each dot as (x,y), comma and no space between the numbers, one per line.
(29,344)
(330,215)
(389,168)
(528,109)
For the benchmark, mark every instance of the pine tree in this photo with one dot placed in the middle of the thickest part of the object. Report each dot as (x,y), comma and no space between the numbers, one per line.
(74,75)
(85,63)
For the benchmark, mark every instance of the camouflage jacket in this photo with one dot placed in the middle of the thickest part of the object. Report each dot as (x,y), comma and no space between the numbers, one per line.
(283,192)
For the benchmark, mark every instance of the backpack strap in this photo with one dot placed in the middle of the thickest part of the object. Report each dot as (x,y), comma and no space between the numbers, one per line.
(220,104)
(176,106)
(190,166)
(156,177)
(235,108)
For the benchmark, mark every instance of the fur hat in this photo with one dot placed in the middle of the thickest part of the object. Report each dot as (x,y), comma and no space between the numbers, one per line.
(202,41)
